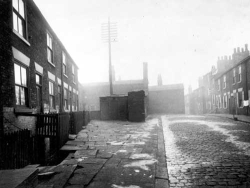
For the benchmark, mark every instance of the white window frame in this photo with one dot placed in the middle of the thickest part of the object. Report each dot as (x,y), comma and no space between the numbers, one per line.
(21,84)
(73,74)
(64,64)
(224,82)
(218,84)
(65,99)
(51,94)
(234,76)
(220,101)
(50,48)
(240,75)
(225,101)
(19,18)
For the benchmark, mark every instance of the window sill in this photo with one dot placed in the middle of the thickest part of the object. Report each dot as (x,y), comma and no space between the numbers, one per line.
(233,83)
(23,110)
(51,63)
(74,83)
(65,75)
(21,37)
(239,82)
(52,110)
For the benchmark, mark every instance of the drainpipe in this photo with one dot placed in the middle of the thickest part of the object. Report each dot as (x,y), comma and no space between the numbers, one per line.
(247,88)
(62,87)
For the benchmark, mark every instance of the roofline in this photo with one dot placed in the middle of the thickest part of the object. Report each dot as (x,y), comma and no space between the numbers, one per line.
(237,64)
(52,31)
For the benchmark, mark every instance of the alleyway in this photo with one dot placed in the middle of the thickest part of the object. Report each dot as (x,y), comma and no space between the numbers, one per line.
(207,151)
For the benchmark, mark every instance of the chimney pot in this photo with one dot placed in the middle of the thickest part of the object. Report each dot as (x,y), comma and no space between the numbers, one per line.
(225,57)
(238,49)
(242,49)
(246,47)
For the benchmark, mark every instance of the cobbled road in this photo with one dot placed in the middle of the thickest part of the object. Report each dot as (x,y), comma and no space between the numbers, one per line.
(206,151)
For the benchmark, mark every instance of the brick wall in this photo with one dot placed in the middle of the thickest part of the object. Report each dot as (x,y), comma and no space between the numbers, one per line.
(35,48)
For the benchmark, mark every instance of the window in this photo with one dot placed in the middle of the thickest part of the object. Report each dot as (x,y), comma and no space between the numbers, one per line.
(38,90)
(70,99)
(234,76)
(239,76)
(225,101)
(21,89)
(51,95)
(219,85)
(19,22)
(49,48)
(224,82)
(64,64)
(73,72)
(220,104)
(240,99)
(76,102)
(65,99)
(213,99)
(208,105)
(217,101)
(73,102)
(59,95)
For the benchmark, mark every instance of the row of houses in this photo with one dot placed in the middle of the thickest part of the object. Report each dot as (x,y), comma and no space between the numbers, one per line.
(225,88)
(38,74)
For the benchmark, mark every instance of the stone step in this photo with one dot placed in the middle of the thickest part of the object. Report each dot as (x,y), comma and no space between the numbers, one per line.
(55,177)
(25,177)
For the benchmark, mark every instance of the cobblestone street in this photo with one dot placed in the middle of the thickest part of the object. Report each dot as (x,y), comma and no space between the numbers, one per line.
(207,151)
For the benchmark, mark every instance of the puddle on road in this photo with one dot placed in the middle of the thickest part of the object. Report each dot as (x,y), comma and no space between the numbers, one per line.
(215,126)
(141,156)
(115,143)
(142,164)
(134,143)
(130,186)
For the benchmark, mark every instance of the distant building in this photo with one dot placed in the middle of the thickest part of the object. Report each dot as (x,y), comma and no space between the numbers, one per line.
(38,75)
(226,89)
(166,99)
(90,93)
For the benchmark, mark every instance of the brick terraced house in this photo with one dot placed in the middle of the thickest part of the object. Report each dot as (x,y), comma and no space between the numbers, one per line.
(225,89)
(38,75)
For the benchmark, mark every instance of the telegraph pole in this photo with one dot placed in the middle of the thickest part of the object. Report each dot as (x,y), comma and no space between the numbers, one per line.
(109,34)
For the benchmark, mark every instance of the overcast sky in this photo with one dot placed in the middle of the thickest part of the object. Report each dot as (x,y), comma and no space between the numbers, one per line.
(179,39)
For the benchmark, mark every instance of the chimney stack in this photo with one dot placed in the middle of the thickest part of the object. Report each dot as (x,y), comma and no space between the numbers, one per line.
(159,80)
(238,50)
(145,74)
